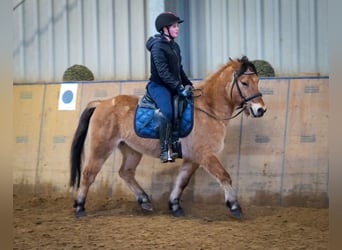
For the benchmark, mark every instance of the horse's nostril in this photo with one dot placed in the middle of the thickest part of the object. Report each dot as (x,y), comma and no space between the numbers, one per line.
(261,111)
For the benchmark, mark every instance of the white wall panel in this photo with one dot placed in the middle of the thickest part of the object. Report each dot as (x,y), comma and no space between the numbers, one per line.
(138,52)
(81,32)
(322,36)
(46,45)
(90,35)
(216,51)
(108,36)
(197,35)
(122,44)
(31,40)
(270,27)
(18,47)
(106,40)
(75,33)
(60,38)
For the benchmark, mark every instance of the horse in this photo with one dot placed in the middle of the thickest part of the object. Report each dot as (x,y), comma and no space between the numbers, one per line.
(107,125)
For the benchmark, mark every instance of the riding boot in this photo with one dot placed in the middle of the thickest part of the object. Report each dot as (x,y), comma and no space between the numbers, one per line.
(176,144)
(164,136)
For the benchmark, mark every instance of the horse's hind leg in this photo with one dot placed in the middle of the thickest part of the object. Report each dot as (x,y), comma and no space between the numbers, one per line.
(130,161)
(97,156)
(184,175)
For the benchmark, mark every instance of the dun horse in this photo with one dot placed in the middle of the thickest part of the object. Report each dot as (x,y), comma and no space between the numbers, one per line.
(108,124)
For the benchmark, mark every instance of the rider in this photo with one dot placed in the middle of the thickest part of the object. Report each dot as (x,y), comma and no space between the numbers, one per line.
(167,77)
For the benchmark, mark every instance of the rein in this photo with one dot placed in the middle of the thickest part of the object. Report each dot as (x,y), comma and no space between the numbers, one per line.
(243,104)
(223,119)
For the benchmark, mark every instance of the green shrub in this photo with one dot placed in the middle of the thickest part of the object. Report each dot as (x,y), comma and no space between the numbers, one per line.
(263,68)
(78,73)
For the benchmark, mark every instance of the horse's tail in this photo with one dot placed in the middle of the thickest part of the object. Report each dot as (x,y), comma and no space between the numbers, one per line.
(78,144)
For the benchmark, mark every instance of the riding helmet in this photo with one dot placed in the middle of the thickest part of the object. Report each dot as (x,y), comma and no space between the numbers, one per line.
(166,19)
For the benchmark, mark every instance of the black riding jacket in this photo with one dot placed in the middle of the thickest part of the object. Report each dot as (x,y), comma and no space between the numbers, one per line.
(166,63)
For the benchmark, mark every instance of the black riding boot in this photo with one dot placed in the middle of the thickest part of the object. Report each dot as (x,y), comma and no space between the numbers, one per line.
(164,136)
(176,145)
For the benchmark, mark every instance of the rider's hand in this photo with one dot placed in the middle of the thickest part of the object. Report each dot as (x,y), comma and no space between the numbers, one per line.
(190,87)
(184,91)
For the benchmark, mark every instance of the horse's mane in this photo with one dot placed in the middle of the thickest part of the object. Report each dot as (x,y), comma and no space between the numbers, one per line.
(240,66)
(218,72)
(246,65)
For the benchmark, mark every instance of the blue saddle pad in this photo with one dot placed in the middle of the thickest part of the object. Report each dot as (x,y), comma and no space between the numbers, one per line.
(146,121)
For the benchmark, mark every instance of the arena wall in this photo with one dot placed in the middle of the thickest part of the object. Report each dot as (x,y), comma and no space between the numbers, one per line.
(280,159)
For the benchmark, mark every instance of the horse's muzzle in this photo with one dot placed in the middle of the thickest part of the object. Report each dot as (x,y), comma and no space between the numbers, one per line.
(259,112)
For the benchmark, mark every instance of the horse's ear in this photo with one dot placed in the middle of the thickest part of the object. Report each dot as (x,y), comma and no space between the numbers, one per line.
(232,61)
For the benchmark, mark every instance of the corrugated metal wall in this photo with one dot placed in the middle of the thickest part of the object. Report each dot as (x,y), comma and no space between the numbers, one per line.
(290,34)
(108,36)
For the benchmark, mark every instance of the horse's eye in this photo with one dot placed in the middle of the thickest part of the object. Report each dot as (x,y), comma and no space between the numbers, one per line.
(244,83)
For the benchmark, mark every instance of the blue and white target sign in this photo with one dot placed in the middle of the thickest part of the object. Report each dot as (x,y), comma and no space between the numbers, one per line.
(67,96)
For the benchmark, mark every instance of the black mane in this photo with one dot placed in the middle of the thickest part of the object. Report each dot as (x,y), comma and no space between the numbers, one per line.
(245,66)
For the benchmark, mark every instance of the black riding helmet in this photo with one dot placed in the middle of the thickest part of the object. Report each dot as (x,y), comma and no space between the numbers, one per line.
(166,19)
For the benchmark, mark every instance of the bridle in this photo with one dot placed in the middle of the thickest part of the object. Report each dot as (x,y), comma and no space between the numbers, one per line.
(244,100)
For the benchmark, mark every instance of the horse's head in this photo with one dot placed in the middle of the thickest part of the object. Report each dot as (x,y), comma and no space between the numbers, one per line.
(244,90)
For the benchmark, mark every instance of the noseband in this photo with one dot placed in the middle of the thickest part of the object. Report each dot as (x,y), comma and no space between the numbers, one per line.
(243,98)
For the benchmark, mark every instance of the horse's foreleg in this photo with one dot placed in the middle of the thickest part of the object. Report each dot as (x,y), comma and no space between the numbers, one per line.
(130,161)
(214,167)
(184,175)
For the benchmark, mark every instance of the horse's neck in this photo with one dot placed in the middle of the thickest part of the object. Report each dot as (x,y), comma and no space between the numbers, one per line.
(215,90)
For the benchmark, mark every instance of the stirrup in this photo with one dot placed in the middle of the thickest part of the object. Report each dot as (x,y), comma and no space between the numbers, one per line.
(171,156)
(164,157)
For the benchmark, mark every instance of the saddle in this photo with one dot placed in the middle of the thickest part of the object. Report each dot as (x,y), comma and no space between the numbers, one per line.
(146,121)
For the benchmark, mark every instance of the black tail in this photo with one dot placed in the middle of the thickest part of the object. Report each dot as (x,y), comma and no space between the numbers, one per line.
(77,146)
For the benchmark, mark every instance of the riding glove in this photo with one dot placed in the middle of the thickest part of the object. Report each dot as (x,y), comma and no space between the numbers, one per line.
(184,91)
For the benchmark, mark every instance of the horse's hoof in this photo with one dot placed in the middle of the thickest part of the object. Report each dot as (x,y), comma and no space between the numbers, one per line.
(79,214)
(178,213)
(79,209)
(176,209)
(146,206)
(145,202)
(236,214)
(235,209)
